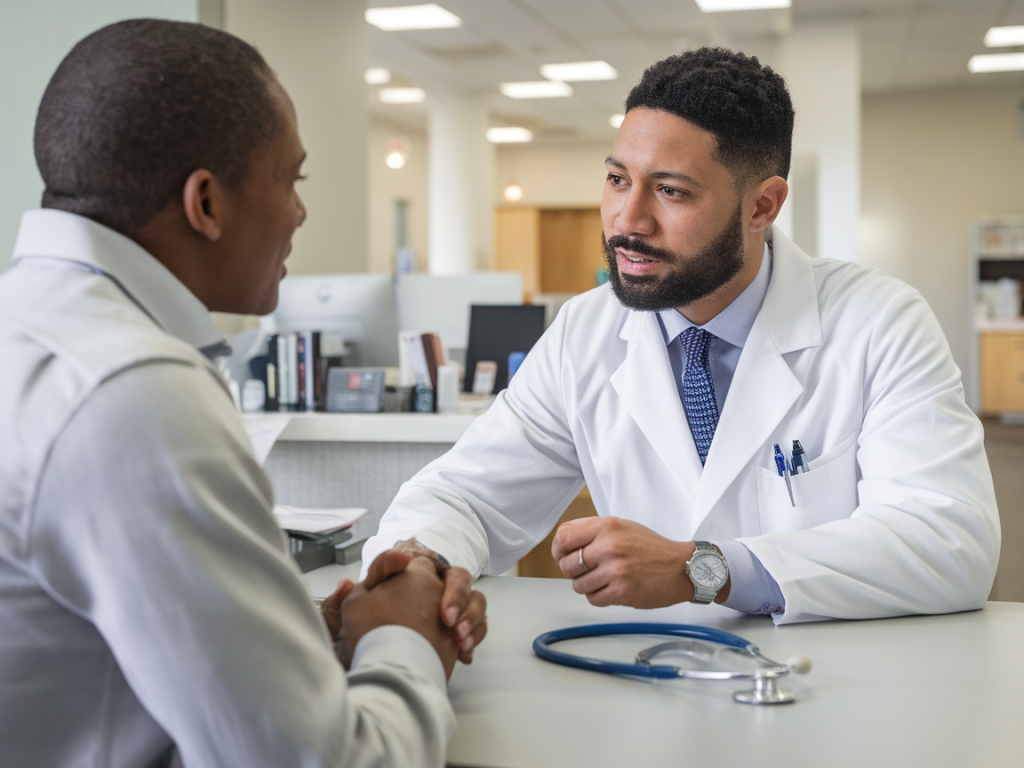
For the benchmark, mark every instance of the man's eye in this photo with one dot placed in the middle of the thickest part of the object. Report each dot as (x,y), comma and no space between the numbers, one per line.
(616,180)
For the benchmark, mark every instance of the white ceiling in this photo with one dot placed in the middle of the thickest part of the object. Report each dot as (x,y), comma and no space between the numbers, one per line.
(904,44)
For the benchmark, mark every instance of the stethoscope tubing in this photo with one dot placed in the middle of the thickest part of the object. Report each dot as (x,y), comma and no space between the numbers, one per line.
(542,646)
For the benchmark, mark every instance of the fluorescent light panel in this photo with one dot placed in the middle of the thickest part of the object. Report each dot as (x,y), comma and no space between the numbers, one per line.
(576,71)
(996,62)
(718,6)
(402,95)
(541,89)
(397,18)
(1001,37)
(377,76)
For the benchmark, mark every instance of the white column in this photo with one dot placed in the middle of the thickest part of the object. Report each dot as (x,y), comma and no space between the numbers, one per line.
(821,64)
(461,177)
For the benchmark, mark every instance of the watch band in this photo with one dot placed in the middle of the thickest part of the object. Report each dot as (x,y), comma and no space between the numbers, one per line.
(703,595)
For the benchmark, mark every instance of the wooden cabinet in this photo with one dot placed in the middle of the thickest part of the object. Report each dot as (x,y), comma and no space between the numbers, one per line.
(539,563)
(1002,372)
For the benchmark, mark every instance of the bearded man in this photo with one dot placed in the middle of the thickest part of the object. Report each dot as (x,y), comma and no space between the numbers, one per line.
(781,434)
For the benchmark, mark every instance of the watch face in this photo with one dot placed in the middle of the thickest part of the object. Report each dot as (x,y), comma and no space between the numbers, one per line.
(709,570)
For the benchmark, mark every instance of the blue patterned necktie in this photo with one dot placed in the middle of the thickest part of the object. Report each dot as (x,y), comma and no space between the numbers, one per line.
(698,391)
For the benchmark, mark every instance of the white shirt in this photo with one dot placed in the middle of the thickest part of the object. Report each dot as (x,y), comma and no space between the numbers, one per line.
(753,590)
(150,613)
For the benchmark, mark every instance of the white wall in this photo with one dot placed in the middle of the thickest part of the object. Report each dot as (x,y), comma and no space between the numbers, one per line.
(408,183)
(319,49)
(553,175)
(34,38)
(933,161)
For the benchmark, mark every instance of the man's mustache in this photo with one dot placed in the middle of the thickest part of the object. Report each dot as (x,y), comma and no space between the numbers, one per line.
(639,247)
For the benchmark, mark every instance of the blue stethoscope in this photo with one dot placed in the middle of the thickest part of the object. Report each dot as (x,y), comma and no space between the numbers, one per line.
(698,643)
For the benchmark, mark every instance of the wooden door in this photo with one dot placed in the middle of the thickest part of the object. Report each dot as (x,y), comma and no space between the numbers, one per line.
(517,245)
(570,249)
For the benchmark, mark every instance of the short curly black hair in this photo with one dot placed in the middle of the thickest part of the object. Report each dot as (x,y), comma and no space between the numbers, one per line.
(744,104)
(137,106)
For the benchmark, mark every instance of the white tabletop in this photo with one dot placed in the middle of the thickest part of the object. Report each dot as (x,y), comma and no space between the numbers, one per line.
(916,691)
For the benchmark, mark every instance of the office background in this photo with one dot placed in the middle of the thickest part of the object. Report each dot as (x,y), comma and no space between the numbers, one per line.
(898,148)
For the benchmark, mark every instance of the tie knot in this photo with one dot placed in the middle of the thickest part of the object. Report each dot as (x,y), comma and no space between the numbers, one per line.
(695,342)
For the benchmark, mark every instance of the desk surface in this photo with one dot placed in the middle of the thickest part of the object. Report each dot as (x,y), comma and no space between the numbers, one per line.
(916,691)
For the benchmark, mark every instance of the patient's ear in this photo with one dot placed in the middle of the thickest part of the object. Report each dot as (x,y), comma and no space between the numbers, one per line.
(204,202)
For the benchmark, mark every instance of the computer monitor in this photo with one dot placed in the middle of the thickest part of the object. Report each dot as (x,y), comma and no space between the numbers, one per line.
(358,307)
(440,303)
(495,332)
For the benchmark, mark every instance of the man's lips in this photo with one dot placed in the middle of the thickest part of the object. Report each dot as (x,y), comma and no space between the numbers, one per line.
(634,257)
(636,264)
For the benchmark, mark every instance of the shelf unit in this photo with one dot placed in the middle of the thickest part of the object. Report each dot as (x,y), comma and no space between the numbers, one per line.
(997,251)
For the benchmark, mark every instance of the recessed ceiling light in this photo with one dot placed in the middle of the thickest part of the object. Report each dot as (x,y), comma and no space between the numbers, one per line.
(996,62)
(1000,37)
(377,76)
(717,6)
(541,89)
(396,18)
(574,71)
(616,120)
(509,135)
(402,95)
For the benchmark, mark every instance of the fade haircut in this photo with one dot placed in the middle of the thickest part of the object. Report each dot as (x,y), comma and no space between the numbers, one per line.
(137,106)
(743,104)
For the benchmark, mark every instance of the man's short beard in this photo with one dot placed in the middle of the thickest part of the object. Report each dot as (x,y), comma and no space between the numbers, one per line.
(692,278)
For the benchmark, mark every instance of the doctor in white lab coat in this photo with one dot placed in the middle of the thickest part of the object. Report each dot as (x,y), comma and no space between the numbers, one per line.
(897,514)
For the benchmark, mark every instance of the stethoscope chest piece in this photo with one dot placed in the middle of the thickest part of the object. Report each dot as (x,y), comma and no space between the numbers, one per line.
(765,691)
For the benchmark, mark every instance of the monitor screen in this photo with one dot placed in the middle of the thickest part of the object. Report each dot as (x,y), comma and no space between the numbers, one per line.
(358,307)
(497,331)
(440,303)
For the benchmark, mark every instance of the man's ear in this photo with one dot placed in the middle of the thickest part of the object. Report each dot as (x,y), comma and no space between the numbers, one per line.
(204,202)
(768,197)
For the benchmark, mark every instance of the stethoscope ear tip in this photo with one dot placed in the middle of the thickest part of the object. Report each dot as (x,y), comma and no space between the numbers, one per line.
(799,665)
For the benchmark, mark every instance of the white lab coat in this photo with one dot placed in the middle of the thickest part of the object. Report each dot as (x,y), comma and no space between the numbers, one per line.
(897,515)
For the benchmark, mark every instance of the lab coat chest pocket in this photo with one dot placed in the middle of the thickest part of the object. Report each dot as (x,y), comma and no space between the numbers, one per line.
(828,492)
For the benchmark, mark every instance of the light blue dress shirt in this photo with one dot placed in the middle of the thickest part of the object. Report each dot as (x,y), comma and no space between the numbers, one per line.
(753,589)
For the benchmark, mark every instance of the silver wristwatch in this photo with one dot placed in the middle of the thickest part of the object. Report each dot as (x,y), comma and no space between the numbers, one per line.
(708,571)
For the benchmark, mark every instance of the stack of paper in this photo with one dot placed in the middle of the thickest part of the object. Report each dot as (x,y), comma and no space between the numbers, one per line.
(316,521)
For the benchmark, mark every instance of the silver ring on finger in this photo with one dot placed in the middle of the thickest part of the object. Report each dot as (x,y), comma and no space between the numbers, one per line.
(581,559)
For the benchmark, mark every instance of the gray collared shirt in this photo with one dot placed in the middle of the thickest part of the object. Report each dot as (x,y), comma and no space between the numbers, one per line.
(150,613)
(753,589)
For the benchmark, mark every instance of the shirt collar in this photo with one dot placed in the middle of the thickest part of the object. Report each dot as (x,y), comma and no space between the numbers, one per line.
(48,234)
(733,323)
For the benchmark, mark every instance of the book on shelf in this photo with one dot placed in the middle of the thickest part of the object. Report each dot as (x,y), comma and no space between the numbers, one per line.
(297,371)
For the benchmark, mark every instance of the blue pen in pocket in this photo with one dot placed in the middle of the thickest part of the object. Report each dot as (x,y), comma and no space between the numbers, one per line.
(780,465)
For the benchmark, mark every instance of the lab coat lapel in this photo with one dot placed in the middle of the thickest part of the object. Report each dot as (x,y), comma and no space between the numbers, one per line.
(645,383)
(764,387)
